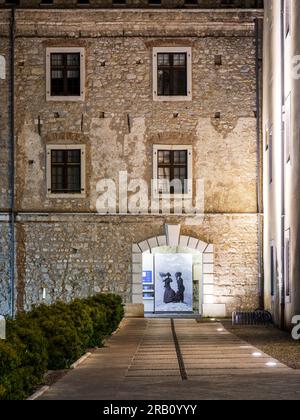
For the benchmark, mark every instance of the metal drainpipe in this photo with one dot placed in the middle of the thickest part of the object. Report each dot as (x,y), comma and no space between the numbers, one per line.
(12,166)
(258,152)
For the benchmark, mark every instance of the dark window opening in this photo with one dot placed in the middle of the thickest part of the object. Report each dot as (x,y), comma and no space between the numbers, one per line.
(65,74)
(172,74)
(272,268)
(288,267)
(172,168)
(65,171)
(154,2)
(12,2)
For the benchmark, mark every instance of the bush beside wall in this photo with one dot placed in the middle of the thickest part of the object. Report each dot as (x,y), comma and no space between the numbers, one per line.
(53,337)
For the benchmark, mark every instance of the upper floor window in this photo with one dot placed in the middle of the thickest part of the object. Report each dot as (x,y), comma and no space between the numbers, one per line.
(65,74)
(172,74)
(172,170)
(288,265)
(272,268)
(65,170)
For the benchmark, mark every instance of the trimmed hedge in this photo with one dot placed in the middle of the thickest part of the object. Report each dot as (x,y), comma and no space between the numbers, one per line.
(53,337)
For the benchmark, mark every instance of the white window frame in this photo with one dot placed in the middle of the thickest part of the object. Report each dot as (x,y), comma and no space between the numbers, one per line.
(65,50)
(51,147)
(188,51)
(189,149)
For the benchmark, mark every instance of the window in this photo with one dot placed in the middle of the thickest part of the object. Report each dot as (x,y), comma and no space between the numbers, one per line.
(272,270)
(172,170)
(65,74)
(172,74)
(66,170)
(288,264)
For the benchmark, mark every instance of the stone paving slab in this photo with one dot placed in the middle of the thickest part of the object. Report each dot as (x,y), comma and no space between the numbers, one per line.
(140,362)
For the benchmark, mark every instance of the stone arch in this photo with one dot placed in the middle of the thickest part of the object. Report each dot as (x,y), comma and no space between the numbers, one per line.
(210,307)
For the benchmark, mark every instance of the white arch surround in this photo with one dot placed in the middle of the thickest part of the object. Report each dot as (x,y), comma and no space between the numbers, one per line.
(210,308)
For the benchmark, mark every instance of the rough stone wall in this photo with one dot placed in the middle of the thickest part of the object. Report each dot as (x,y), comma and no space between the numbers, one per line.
(4,268)
(4,91)
(119,84)
(145,3)
(119,123)
(71,257)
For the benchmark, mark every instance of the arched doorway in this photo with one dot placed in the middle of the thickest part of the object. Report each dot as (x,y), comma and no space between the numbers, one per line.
(204,299)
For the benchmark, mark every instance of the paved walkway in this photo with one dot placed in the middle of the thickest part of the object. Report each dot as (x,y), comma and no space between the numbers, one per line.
(163,359)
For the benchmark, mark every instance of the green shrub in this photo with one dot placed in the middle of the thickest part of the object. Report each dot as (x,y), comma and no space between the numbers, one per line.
(53,337)
(82,318)
(27,338)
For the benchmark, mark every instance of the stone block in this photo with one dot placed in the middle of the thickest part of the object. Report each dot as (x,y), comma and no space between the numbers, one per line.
(137,289)
(208,258)
(137,258)
(210,249)
(144,246)
(153,242)
(162,240)
(201,246)
(193,242)
(208,279)
(137,268)
(135,249)
(208,268)
(138,298)
(215,310)
(208,289)
(134,310)
(183,241)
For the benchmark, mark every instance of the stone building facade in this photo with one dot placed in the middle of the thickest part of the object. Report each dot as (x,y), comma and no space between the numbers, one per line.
(63,247)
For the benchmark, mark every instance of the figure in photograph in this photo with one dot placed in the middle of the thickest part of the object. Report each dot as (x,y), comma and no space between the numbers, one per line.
(181,288)
(170,294)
